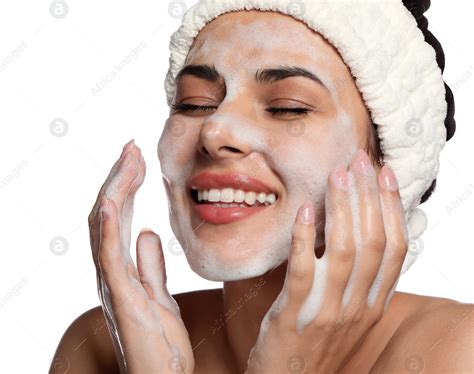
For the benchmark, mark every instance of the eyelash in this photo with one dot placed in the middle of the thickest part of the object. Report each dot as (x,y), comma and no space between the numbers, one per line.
(182,108)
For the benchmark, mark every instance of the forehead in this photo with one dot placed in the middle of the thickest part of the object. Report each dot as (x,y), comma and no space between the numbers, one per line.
(249,40)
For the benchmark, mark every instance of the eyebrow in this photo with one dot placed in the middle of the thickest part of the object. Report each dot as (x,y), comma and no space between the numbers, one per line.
(283,72)
(272,75)
(206,72)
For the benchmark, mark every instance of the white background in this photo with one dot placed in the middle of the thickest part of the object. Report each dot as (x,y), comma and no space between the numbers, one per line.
(48,69)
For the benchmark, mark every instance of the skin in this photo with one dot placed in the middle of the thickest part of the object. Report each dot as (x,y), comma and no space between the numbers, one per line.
(327,139)
(435,333)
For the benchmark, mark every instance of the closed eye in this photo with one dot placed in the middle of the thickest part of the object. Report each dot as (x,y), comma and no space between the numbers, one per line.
(298,111)
(183,108)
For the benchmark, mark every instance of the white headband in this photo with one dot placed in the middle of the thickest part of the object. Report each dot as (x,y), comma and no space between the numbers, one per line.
(395,69)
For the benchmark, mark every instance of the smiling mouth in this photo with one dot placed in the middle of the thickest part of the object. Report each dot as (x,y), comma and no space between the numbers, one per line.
(229,198)
(235,207)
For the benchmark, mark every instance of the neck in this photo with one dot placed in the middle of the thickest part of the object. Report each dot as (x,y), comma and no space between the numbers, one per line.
(246,302)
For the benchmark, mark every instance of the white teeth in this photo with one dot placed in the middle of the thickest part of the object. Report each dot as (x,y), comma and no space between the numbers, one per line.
(230,195)
(250,197)
(214,195)
(271,198)
(262,197)
(239,196)
(227,195)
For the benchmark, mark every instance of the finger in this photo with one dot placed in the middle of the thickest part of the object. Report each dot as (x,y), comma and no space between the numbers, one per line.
(112,264)
(152,271)
(123,181)
(301,260)
(369,231)
(123,187)
(93,217)
(397,239)
(137,170)
(340,246)
(109,180)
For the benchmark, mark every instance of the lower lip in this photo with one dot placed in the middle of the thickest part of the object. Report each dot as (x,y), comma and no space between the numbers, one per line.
(217,215)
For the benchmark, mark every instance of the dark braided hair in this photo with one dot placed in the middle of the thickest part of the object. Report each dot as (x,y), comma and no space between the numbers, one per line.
(417,8)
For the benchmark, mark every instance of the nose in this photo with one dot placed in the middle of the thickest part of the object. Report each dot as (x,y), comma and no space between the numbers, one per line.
(219,138)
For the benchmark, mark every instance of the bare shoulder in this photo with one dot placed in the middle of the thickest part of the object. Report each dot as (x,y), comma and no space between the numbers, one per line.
(436,337)
(86,346)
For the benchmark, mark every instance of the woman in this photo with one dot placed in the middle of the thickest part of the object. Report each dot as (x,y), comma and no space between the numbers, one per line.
(310,247)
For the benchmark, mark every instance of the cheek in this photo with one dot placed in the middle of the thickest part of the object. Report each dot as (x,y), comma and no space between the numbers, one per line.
(306,160)
(175,151)
(309,161)
(303,167)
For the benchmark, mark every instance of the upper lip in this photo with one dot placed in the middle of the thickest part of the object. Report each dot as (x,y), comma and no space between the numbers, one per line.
(208,180)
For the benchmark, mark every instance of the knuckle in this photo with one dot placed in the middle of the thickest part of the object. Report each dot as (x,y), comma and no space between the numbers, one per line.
(345,254)
(355,313)
(296,238)
(375,313)
(277,318)
(298,244)
(298,272)
(345,319)
(376,243)
(358,315)
(340,322)
(326,321)
(399,251)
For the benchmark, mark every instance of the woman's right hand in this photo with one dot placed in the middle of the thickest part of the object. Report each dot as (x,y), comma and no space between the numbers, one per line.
(144,320)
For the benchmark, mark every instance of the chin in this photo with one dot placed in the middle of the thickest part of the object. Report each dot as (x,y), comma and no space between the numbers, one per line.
(233,270)
(223,254)
(243,249)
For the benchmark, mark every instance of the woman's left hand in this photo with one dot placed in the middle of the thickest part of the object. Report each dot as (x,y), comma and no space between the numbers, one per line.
(316,327)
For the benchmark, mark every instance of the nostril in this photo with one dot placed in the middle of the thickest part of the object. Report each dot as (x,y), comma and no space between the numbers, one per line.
(204,151)
(232,149)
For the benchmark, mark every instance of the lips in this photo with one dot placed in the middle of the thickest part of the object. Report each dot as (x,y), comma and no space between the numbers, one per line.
(219,215)
(208,180)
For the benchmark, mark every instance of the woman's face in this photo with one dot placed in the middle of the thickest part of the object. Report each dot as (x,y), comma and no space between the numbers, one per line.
(291,153)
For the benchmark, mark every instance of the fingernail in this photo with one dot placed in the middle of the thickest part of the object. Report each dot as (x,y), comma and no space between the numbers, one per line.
(388,178)
(306,214)
(145,229)
(363,161)
(127,147)
(339,176)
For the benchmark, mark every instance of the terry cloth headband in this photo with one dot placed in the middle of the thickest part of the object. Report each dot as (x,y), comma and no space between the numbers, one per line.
(395,69)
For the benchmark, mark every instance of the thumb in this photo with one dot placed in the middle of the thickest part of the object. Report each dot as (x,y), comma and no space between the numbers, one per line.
(152,271)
